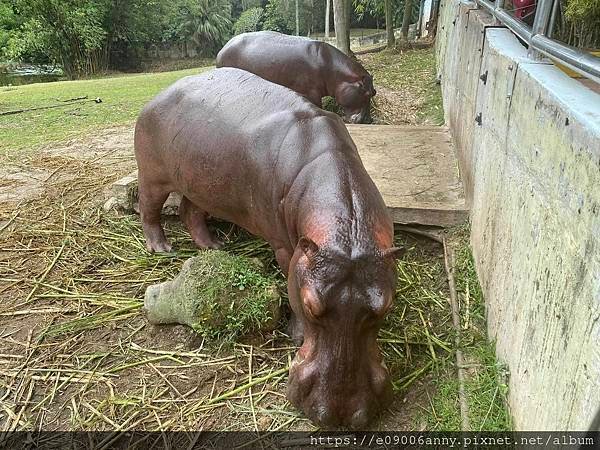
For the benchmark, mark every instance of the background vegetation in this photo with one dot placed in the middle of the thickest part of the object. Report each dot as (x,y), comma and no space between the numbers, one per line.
(85,37)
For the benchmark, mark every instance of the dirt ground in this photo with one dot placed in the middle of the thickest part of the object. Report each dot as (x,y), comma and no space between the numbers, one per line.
(76,352)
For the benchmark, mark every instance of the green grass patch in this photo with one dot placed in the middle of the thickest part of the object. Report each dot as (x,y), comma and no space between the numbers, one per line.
(416,336)
(122,99)
(485,385)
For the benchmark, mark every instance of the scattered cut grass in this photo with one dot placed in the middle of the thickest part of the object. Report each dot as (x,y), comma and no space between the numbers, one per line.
(74,334)
(122,99)
(408,92)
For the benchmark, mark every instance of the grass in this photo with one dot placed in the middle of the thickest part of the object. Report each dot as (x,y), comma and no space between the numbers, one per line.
(485,385)
(411,94)
(122,99)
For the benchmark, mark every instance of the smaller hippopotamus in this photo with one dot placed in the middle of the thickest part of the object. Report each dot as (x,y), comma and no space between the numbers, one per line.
(312,68)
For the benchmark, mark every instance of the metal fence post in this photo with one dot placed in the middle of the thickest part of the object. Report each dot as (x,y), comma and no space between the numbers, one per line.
(498,5)
(540,25)
(553,16)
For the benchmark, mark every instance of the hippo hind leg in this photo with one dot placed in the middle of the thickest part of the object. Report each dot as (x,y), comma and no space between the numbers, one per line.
(152,197)
(195,221)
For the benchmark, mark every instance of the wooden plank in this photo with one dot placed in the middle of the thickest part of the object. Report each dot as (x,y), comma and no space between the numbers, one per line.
(416,171)
(414,168)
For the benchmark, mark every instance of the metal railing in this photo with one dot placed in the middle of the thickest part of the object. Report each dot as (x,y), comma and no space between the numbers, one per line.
(539,40)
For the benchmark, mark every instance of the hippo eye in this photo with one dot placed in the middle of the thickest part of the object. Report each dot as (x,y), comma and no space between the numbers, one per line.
(313,305)
(379,302)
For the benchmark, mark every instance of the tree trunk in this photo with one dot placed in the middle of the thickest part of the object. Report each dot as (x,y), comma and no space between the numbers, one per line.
(420,19)
(341,20)
(433,18)
(389,24)
(297,19)
(406,18)
(327,17)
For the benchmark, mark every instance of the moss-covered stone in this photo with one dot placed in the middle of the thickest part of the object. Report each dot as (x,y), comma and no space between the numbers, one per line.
(219,295)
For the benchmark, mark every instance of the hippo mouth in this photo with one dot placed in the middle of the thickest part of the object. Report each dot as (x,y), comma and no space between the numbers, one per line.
(333,401)
(362,116)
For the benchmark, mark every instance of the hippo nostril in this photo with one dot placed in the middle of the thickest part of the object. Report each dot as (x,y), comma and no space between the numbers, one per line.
(359,419)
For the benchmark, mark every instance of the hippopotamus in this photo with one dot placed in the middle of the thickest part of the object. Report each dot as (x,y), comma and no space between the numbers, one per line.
(312,68)
(251,152)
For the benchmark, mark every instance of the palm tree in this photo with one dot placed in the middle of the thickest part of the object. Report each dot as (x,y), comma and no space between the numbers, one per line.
(207,23)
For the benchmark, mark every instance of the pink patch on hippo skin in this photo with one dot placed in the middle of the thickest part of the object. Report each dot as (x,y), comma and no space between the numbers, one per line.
(384,236)
(318,229)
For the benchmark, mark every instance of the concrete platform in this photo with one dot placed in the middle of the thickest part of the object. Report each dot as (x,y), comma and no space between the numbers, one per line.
(414,168)
(416,171)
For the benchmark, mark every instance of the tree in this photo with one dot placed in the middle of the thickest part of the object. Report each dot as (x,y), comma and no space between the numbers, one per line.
(341,19)
(389,24)
(206,22)
(327,17)
(406,18)
(248,21)
(69,32)
(297,19)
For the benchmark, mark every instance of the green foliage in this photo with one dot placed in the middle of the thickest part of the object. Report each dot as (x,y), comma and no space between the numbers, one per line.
(206,22)
(69,32)
(373,8)
(580,24)
(329,104)
(280,15)
(250,20)
(364,9)
(83,36)
(583,10)
(485,386)
(276,16)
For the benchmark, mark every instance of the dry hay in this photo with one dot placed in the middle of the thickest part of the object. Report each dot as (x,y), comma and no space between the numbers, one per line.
(78,354)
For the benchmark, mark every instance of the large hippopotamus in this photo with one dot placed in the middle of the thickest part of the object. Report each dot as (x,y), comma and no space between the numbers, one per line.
(312,68)
(257,154)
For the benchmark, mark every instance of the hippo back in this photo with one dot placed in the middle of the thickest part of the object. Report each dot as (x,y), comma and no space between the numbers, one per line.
(247,133)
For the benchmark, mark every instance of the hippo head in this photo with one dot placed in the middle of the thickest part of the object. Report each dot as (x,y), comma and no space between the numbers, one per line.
(338,377)
(355,98)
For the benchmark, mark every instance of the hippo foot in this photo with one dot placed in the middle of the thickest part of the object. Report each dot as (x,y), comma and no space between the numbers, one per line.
(158,246)
(206,244)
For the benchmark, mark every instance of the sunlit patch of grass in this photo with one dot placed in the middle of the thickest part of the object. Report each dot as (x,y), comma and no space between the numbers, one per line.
(122,100)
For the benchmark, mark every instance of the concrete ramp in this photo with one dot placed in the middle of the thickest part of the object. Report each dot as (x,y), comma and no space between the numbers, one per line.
(413,167)
(416,171)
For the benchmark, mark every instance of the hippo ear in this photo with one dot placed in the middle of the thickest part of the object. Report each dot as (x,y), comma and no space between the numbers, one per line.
(308,246)
(394,252)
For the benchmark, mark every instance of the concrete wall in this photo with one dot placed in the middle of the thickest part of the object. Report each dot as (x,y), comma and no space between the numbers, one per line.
(532,174)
